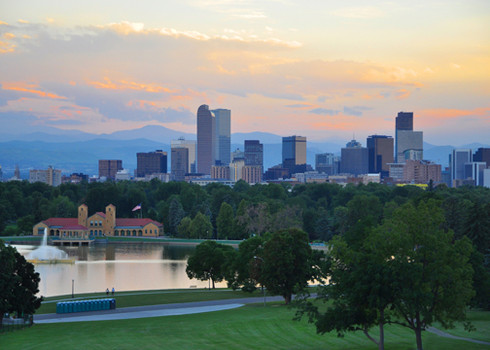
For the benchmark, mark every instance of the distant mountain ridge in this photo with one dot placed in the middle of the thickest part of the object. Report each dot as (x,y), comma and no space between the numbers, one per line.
(76,151)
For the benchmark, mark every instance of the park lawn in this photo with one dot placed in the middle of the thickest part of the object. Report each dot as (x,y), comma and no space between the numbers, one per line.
(248,327)
(142,298)
(479,319)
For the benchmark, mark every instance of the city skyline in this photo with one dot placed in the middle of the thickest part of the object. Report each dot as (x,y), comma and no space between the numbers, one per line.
(332,71)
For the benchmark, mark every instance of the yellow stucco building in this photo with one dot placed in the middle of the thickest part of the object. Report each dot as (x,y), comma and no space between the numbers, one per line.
(98,225)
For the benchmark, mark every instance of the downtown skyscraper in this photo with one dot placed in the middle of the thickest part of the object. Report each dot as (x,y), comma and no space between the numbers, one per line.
(408,143)
(206,130)
(213,138)
(222,136)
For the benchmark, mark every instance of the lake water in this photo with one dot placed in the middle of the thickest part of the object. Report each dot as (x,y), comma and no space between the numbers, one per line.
(124,266)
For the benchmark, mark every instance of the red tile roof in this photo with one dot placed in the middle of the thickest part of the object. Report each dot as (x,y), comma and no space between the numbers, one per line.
(101,214)
(135,222)
(61,222)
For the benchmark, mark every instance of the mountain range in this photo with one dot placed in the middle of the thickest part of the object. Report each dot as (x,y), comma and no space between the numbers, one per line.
(76,151)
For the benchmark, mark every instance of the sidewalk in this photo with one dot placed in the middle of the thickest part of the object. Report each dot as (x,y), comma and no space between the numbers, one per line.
(151,310)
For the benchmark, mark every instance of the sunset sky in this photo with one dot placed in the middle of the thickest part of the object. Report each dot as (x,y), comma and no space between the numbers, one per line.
(321,69)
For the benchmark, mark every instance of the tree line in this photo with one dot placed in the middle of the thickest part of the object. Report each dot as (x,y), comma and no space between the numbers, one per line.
(409,269)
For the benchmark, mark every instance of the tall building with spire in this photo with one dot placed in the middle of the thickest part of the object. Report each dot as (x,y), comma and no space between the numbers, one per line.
(206,130)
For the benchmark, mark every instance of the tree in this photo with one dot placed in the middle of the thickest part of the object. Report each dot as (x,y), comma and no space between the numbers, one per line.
(184,228)
(286,264)
(244,272)
(434,268)
(209,261)
(409,264)
(360,289)
(18,283)
(201,227)
(175,215)
(224,221)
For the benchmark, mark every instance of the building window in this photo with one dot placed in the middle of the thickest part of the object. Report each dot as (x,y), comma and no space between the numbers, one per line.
(100,223)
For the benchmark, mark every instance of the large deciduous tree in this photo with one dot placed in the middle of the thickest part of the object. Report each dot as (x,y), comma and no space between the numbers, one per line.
(410,264)
(18,283)
(209,261)
(434,268)
(287,264)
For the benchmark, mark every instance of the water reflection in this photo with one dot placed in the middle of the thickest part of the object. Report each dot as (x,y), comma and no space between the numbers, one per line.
(122,266)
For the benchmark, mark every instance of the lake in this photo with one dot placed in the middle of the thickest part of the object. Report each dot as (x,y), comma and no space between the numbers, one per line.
(124,266)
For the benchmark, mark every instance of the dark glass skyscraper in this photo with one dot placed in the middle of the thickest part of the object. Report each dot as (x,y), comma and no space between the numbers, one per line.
(180,162)
(294,153)
(206,128)
(354,159)
(151,163)
(380,148)
(254,153)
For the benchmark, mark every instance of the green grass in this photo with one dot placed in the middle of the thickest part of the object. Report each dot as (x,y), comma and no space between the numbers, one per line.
(479,319)
(126,299)
(249,327)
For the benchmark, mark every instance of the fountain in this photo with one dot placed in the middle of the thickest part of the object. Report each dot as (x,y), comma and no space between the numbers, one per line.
(48,254)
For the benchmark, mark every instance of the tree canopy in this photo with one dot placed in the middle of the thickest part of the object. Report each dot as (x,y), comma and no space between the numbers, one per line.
(409,270)
(18,283)
(208,262)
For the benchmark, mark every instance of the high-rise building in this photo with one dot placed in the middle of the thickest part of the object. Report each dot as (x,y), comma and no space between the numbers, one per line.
(254,153)
(206,129)
(410,145)
(421,172)
(220,172)
(482,155)
(109,167)
(406,139)
(17,172)
(457,160)
(151,163)
(294,154)
(326,163)
(179,158)
(50,176)
(191,147)
(474,171)
(222,136)
(237,155)
(354,159)
(380,149)
(252,174)
(236,167)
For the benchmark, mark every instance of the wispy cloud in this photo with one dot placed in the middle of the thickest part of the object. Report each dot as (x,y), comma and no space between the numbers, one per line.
(129,85)
(324,111)
(30,89)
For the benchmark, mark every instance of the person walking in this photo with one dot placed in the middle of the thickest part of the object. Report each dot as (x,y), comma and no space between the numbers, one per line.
(113,291)
(107,291)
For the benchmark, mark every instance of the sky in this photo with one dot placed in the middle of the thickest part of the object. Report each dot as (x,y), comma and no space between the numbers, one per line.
(327,70)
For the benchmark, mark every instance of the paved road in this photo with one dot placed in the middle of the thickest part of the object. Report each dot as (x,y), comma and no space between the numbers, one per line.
(151,310)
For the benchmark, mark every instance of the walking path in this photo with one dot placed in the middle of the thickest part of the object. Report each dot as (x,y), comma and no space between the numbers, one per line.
(447,335)
(151,310)
(183,309)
